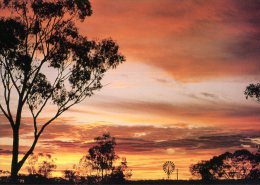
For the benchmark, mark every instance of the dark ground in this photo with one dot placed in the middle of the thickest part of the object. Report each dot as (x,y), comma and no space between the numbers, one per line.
(172,182)
(195,182)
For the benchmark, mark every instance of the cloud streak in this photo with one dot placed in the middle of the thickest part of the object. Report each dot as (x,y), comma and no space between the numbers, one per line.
(136,139)
(216,112)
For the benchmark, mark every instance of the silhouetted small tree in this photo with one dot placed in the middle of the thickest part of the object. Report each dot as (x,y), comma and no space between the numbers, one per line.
(101,158)
(102,155)
(120,173)
(41,164)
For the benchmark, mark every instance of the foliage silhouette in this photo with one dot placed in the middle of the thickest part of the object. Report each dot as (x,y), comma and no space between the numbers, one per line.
(40,35)
(253,91)
(70,175)
(241,164)
(41,164)
(4,173)
(201,169)
(120,173)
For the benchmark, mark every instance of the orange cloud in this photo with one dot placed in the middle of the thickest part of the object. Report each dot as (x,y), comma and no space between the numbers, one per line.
(213,113)
(191,40)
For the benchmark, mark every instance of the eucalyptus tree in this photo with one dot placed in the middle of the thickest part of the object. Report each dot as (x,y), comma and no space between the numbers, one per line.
(103,155)
(39,38)
(241,164)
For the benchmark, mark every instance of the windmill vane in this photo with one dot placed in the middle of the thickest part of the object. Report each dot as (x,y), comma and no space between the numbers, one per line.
(168,168)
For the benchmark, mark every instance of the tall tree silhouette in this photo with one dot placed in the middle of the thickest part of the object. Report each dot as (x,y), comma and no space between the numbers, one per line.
(42,34)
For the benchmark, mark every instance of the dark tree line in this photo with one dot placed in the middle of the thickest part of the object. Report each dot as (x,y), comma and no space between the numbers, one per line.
(241,164)
(97,166)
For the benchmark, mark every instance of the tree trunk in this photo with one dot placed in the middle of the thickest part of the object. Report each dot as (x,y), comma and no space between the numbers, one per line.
(14,166)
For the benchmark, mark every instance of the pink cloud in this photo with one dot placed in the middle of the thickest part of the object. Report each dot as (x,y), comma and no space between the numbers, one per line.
(191,40)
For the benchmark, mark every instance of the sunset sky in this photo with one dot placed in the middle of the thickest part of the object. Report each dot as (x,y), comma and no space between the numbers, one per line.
(178,97)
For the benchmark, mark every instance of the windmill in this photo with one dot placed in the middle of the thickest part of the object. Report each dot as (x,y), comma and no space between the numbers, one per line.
(168,168)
